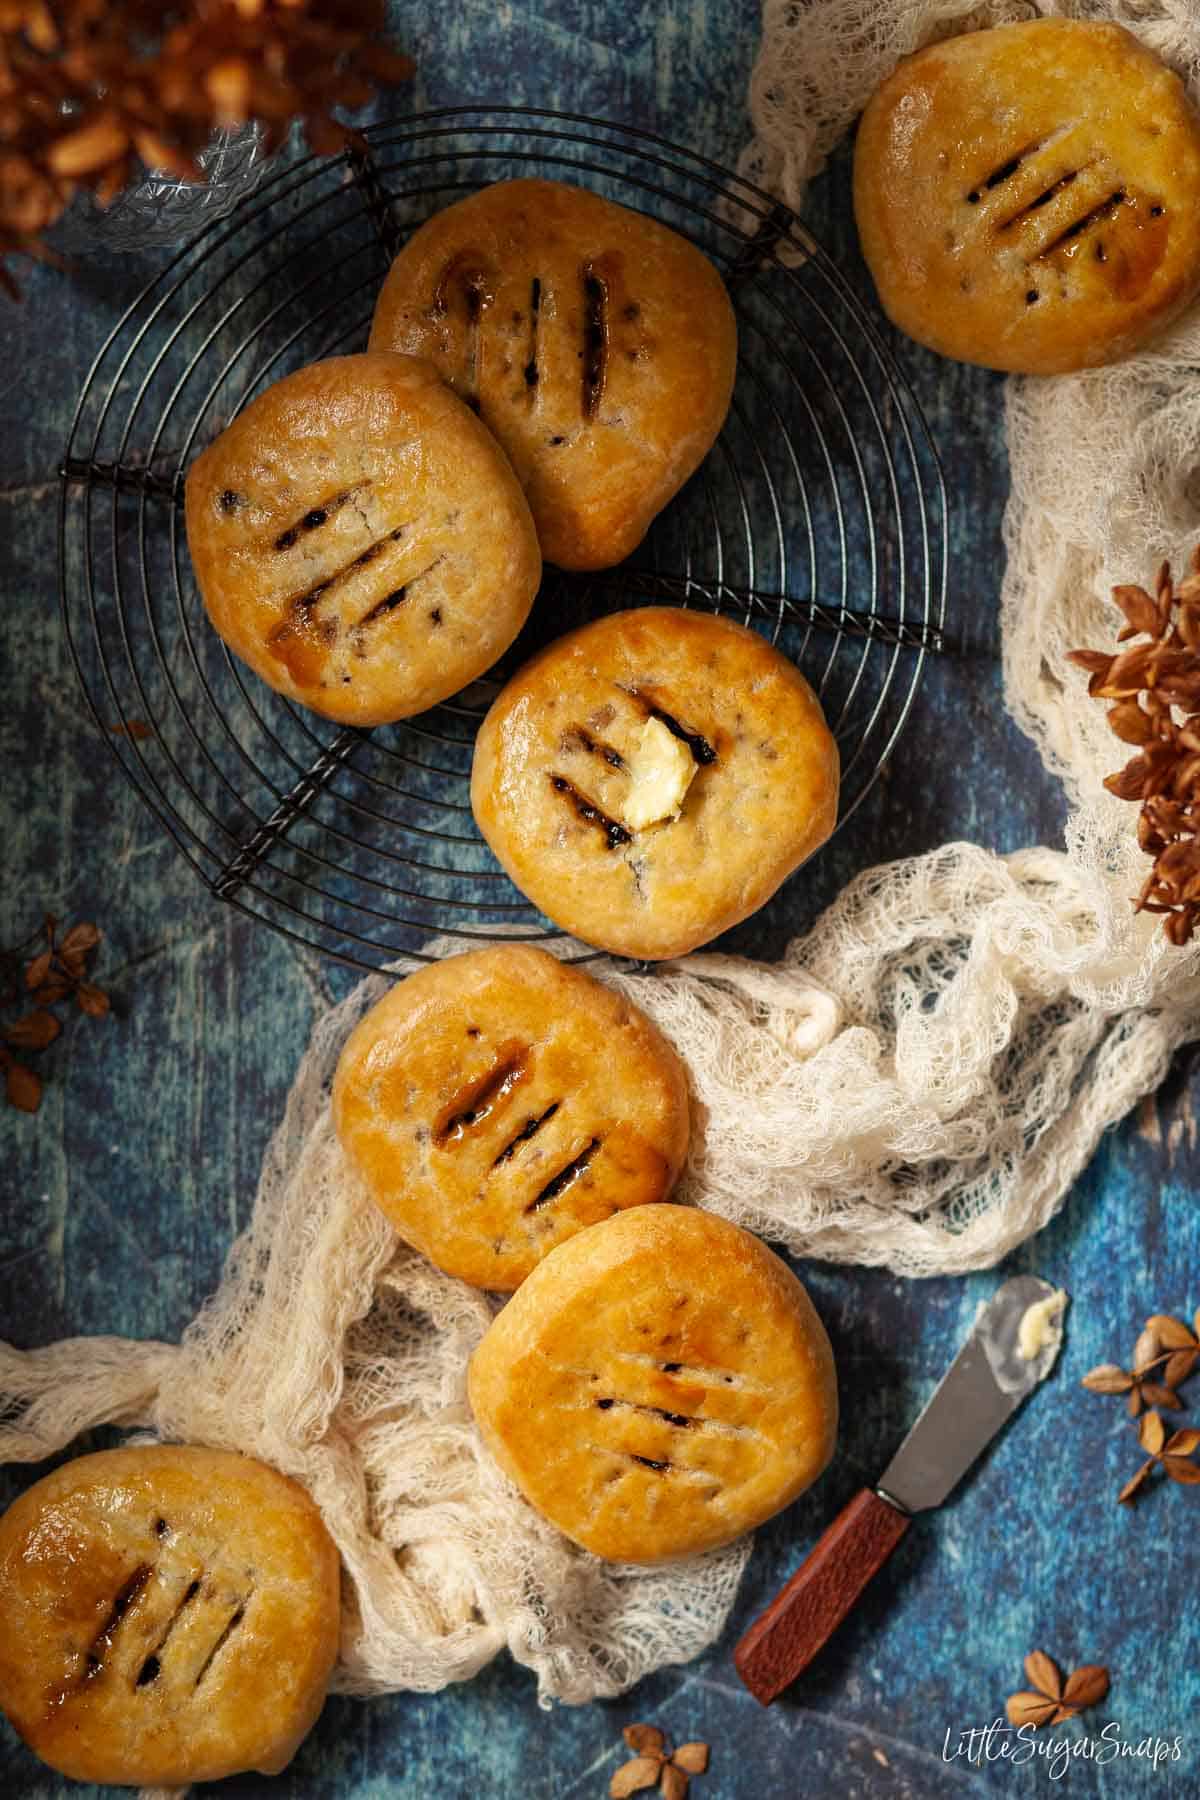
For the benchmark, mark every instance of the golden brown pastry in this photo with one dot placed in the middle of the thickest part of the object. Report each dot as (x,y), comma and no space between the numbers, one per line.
(598,345)
(652,778)
(659,1385)
(1029,197)
(169,1615)
(498,1101)
(360,540)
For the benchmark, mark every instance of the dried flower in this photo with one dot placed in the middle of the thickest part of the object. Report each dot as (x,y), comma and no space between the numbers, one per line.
(1156,687)
(654,1765)
(1165,1345)
(1050,1700)
(79,110)
(49,976)
(1172,1454)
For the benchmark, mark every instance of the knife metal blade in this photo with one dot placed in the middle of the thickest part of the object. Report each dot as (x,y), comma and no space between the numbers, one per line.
(1000,1363)
(980,1391)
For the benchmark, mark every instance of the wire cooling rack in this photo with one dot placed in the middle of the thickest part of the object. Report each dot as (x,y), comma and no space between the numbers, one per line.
(819,518)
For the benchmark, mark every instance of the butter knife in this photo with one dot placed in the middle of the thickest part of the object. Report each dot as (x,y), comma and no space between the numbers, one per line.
(1007,1354)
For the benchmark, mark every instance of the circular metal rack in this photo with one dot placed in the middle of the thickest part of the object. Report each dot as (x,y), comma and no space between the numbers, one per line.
(819,518)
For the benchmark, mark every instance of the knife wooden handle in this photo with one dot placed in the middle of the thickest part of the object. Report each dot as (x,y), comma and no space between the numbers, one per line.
(784,1640)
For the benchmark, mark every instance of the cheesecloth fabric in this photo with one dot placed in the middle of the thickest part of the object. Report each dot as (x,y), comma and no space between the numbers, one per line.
(915,1086)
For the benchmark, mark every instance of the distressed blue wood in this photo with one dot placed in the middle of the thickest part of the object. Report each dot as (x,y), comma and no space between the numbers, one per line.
(121,1197)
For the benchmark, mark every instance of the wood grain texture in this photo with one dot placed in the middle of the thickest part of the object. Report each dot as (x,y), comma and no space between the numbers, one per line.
(120,1199)
(807,1611)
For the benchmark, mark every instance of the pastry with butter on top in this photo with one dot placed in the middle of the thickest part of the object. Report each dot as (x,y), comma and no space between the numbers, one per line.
(660,1385)
(652,778)
(1028,197)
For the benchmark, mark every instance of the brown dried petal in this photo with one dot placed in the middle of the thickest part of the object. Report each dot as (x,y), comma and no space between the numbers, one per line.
(644,1740)
(1184,1442)
(1139,608)
(228,85)
(157,152)
(1146,1350)
(1171,1333)
(1149,838)
(692,1757)
(1134,1405)
(101,141)
(1155,1395)
(1178,863)
(1128,673)
(81,937)
(92,1000)
(1131,782)
(1130,723)
(37,971)
(1029,1709)
(633,1776)
(34,1031)
(673,1783)
(1152,1433)
(1086,1686)
(1096,662)
(52,991)
(1126,1495)
(1179,1366)
(1179,928)
(1107,1378)
(1179,1469)
(1044,1673)
(23,1086)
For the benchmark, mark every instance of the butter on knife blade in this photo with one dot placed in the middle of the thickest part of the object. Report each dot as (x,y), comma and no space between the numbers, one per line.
(1012,1347)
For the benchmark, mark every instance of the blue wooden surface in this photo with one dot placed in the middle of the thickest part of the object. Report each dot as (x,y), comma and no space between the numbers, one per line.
(121,1197)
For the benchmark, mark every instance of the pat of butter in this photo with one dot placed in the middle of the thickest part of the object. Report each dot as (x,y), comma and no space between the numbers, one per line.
(661,770)
(1041,1325)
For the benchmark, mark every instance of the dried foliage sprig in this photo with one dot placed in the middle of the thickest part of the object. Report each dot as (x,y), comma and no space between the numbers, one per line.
(81,107)
(1049,1699)
(56,972)
(1165,1355)
(1156,690)
(654,1765)
(1170,1454)
(1165,1346)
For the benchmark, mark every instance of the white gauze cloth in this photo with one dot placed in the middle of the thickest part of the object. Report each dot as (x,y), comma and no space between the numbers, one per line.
(915,1086)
